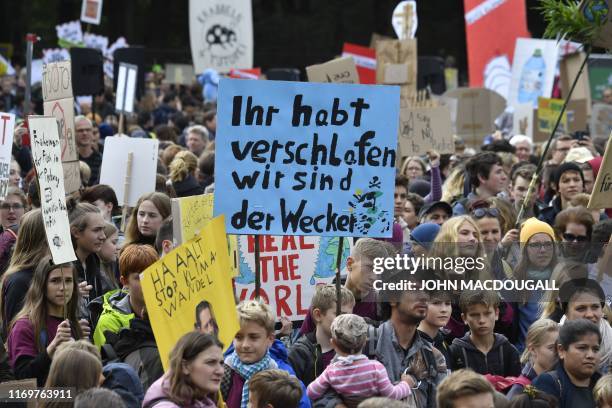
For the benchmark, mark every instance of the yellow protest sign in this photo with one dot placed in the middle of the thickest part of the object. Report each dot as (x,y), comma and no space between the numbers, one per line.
(174,286)
(548,112)
(191,214)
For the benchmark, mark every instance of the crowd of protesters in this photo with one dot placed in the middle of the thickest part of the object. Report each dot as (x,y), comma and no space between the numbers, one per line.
(84,325)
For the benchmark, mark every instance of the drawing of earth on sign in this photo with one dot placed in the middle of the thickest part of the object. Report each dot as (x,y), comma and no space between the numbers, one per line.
(308,259)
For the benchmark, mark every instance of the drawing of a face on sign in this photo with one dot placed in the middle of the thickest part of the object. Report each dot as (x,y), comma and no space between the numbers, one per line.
(221,35)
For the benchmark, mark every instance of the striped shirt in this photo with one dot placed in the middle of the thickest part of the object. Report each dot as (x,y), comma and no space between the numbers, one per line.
(356,376)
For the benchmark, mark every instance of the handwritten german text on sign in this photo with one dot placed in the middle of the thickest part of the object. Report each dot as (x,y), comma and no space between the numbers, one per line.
(47,159)
(174,286)
(425,129)
(291,267)
(7,125)
(601,197)
(341,70)
(306,159)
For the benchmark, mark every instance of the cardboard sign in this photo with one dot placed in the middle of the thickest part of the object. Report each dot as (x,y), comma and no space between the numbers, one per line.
(126,88)
(181,74)
(522,120)
(299,158)
(491,30)
(425,129)
(57,81)
(190,215)
(404,19)
(291,268)
(574,117)
(339,71)
(59,103)
(533,70)
(175,285)
(46,155)
(601,120)
(69,34)
(91,11)
(365,61)
(569,68)
(600,74)
(144,166)
(221,34)
(601,197)
(7,126)
(475,112)
(396,63)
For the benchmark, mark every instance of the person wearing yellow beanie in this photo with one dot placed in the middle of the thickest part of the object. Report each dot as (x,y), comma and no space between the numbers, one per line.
(536,262)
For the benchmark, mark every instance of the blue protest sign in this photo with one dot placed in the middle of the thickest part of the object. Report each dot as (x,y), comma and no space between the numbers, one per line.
(295,158)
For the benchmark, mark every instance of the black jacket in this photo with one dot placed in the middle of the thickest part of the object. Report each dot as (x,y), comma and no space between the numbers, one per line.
(503,359)
(305,357)
(189,186)
(438,342)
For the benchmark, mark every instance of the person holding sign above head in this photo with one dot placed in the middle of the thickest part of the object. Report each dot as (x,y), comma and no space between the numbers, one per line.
(87,230)
(121,307)
(254,349)
(194,374)
(151,209)
(85,146)
(48,318)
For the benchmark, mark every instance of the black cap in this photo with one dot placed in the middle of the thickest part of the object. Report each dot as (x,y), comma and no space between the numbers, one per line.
(427,208)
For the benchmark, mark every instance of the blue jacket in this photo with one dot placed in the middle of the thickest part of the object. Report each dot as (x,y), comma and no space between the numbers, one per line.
(278,352)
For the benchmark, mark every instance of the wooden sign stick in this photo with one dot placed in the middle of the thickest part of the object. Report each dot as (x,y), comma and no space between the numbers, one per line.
(126,189)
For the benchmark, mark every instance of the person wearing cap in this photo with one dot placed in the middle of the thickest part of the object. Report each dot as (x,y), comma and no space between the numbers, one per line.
(422,237)
(437,212)
(537,260)
(568,181)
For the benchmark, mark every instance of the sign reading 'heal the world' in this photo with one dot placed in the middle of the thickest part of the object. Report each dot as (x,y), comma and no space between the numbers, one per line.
(306,159)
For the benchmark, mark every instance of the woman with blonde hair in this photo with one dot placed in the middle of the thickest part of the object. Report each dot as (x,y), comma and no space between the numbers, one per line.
(539,355)
(150,210)
(183,174)
(30,247)
(454,185)
(194,375)
(413,168)
(73,368)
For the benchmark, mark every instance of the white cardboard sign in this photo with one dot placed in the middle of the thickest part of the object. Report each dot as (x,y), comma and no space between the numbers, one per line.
(7,125)
(144,166)
(46,154)
(126,88)
(91,11)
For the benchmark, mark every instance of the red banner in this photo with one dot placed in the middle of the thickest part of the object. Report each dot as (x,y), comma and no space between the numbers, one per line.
(491,29)
(365,60)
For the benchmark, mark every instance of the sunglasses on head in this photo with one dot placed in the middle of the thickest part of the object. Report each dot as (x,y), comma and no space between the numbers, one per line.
(575,238)
(483,212)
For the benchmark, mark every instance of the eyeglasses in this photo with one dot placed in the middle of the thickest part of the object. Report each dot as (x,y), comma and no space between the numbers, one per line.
(540,245)
(575,238)
(483,212)
(9,206)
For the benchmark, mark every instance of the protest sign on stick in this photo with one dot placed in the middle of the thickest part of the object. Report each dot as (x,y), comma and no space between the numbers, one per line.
(306,159)
(601,197)
(144,166)
(91,11)
(190,215)
(126,90)
(59,103)
(424,126)
(7,125)
(601,120)
(181,74)
(291,268)
(340,70)
(396,63)
(177,284)
(46,155)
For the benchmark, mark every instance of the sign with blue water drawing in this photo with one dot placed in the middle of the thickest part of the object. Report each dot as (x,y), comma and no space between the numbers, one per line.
(297,158)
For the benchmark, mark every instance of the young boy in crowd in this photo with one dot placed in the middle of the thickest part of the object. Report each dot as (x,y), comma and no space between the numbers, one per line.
(481,349)
(465,388)
(120,307)
(352,375)
(439,310)
(274,389)
(254,349)
(313,352)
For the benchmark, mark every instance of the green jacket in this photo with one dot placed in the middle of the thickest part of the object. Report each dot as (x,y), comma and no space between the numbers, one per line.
(116,315)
